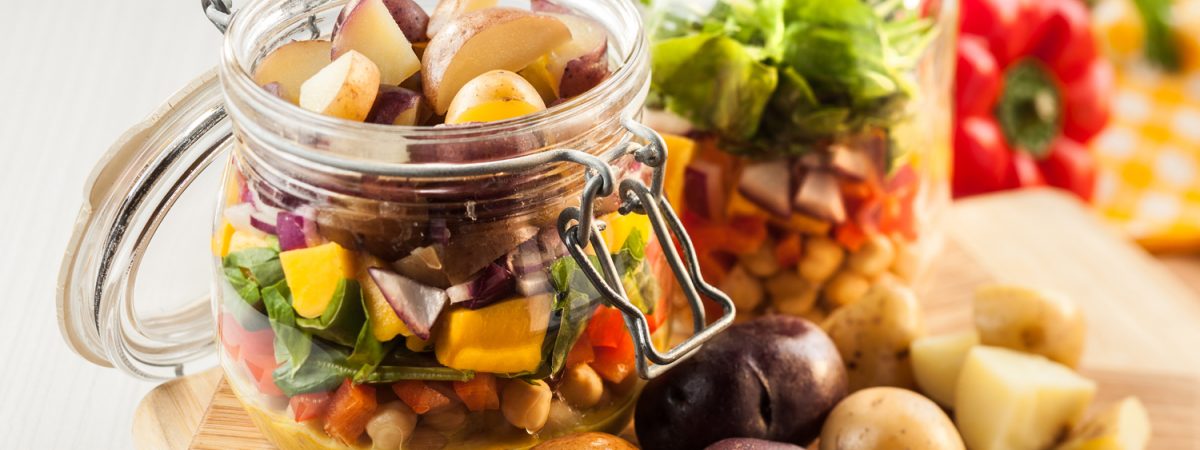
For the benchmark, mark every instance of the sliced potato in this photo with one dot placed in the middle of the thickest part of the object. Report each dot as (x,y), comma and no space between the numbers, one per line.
(448,10)
(345,88)
(369,28)
(494,96)
(1123,426)
(482,41)
(290,65)
(937,361)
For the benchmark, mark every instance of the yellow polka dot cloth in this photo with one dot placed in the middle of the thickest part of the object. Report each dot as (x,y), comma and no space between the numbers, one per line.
(1149,156)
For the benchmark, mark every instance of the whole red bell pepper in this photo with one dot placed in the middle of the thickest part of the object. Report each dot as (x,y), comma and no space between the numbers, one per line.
(1031,90)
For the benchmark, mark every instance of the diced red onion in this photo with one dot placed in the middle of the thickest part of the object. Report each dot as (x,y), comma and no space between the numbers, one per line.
(705,194)
(240,217)
(851,163)
(417,305)
(492,284)
(266,227)
(768,185)
(291,231)
(819,196)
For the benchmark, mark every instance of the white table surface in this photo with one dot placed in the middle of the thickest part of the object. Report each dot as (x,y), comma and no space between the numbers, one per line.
(73,76)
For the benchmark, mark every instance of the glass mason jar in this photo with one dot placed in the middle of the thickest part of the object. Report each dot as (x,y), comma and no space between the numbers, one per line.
(487,285)
(834,180)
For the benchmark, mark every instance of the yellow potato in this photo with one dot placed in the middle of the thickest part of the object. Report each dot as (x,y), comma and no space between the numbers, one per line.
(1039,322)
(873,336)
(885,418)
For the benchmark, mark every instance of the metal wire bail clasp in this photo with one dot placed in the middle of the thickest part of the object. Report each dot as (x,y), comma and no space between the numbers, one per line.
(577,229)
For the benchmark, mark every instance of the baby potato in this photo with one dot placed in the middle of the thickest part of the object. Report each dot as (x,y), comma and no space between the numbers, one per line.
(586,441)
(888,418)
(873,336)
(1032,321)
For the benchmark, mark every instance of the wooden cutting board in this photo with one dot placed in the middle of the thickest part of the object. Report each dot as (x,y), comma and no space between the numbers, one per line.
(1143,337)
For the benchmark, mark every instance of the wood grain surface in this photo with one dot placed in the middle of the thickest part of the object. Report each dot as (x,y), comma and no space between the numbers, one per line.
(1144,322)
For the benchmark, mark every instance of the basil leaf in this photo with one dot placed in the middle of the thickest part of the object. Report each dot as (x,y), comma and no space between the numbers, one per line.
(391,374)
(574,316)
(251,269)
(368,353)
(304,367)
(343,319)
(292,346)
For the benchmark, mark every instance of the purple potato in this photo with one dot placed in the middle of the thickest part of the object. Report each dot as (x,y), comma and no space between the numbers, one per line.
(397,106)
(774,378)
(751,444)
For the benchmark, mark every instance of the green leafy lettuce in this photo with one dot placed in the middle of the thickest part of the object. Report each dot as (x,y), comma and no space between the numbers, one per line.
(775,76)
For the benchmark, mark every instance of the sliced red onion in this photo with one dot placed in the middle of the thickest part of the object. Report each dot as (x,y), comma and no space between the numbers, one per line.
(769,185)
(819,196)
(257,222)
(240,216)
(492,284)
(705,194)
(417,305)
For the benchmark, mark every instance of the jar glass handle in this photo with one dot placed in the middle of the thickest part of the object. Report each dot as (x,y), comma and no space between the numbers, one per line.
(126,198)
(577,229)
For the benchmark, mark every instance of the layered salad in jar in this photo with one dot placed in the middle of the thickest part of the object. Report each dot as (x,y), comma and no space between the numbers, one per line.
(809,142)
(350,322)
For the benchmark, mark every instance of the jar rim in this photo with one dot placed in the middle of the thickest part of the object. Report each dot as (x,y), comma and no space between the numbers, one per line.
(238,56)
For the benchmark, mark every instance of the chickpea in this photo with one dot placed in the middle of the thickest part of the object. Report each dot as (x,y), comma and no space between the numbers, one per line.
(874,257)
(526,405)
(762,262)
(791,294)
(745,290)
(581,386)
(391,426)
(905,265)
(845,288)
(822,257)
(424,438)
(448,418)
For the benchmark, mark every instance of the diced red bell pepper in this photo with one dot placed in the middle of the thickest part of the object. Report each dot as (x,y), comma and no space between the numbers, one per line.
(850,235)
(309,406)
(349,410)
(419,396)
(789,250)
(478,393)
(615,363)
(607,327)
(582,352)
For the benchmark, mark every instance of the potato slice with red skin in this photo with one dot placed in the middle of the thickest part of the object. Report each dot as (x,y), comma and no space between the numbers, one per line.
(448,10)
(290,65)
(368,28)
(411,18)
(486,40)
(345,88)
(397,106)
(581,63)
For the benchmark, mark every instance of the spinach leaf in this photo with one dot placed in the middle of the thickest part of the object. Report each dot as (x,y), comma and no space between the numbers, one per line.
(246,288)
(343,319)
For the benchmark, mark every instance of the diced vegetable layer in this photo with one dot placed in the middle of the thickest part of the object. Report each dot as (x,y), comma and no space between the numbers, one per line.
(313,275)
(479,393)
(385,323)
(502,338)
(419,396)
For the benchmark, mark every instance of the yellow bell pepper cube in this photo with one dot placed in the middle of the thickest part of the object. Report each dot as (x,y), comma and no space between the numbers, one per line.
(680,151)
(385,324)
(620,227)
(505,337)
(221,239)
(313,275)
